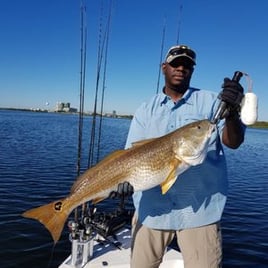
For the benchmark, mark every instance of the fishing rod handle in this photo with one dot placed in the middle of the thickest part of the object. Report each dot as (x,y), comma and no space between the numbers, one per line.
(237,76)
(222,105)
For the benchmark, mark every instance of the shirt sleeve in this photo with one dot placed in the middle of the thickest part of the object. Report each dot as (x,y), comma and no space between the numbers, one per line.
(137,126)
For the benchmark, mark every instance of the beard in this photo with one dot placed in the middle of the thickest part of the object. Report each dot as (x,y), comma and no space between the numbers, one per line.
(178,86)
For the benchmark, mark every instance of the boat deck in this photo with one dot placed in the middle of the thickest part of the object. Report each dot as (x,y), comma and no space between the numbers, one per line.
(115,253)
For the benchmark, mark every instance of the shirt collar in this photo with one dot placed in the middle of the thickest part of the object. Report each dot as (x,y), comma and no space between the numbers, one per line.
(185,98)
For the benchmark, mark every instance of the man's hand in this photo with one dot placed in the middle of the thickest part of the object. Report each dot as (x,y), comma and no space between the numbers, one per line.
(124,189)
(232,94)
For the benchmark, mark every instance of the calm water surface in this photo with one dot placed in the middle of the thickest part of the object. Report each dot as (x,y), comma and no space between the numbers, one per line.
(38,154)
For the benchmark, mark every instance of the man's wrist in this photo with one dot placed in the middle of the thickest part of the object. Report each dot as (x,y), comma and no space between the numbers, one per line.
(233,115)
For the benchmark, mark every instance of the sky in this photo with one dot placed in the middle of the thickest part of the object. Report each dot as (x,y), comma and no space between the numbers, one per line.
(40,47)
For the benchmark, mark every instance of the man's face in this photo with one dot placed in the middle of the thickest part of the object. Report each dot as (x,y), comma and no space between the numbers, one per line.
(178,73)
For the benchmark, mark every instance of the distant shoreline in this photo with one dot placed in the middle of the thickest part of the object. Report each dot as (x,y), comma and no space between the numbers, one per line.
(258,124)
(47,111)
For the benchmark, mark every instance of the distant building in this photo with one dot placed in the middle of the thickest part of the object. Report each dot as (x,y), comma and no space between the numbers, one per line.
(114,115)
(65,107)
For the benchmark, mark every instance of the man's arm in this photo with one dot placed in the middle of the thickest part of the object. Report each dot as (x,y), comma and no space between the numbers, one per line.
(233,132)
(137,127)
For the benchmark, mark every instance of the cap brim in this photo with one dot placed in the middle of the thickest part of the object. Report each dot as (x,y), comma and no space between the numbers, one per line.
(172,58)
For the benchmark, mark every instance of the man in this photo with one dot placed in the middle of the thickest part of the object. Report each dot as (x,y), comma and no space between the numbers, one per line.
(192,208)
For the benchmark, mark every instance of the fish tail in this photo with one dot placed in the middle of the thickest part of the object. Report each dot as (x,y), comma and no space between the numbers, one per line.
(52,216)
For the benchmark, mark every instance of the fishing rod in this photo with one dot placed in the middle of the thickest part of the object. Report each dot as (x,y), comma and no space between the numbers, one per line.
(222,107)
(163,41)
(161,53)
(99,64)
(179,24)
(106,43)
(83,45)
(102,53)
(100,227)
(248,105)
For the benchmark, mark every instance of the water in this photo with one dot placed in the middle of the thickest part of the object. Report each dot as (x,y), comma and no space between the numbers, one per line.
(38,154)
(245,219)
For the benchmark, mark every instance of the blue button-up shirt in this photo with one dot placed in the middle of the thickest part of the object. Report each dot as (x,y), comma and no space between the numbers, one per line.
(199,194)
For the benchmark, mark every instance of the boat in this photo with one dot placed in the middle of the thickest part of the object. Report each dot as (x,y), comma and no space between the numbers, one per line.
(104,240)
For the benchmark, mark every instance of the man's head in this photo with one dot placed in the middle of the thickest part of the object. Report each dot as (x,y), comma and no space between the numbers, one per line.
(182,53)
(178,68)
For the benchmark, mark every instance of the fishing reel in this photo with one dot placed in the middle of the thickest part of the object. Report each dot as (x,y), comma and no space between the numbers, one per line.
(101,224)
(104,223)
(108,223)
(248,106)
(96,228)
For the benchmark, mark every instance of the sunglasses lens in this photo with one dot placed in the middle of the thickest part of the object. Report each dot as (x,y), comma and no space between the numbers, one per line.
(188,64)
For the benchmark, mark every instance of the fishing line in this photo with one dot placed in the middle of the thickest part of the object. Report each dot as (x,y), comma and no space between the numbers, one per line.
(107,34)
(93,128)
(83,49)
(162,44)
(83,44)
(249,81)
(179,24)
(249,104)
(51,256)
(102,52)
(161,53)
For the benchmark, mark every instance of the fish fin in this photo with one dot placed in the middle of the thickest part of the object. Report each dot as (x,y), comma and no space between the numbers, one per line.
(52,216)
(142,142)
(112,155)
(171,178)
(97,200)
(105,160)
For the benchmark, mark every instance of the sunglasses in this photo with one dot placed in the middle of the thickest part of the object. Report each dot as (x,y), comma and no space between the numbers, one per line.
(187,64)
(182,50)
